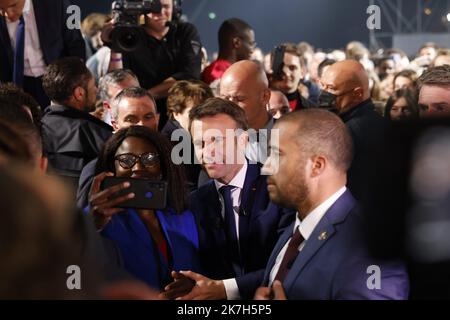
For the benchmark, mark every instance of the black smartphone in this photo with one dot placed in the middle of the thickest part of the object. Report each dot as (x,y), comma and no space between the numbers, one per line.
(149,194)
(278,60)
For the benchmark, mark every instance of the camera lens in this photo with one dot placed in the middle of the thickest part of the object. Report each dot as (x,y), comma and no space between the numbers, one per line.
(126,39)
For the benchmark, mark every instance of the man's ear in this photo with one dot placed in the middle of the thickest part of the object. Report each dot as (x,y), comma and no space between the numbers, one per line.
(242,140)
(107,106)
(78,93)
(266,97)
(359,92)
(237,42)
(114,124)
(319,164)
(43,165)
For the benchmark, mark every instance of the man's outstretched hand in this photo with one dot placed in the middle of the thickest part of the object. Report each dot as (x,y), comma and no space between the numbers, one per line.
(201,287)
(180,286)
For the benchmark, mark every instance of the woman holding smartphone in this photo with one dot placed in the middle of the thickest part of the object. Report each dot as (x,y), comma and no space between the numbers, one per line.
(152,242)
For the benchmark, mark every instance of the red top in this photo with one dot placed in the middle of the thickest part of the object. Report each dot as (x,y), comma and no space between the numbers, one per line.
(293,104)
(162,246)
(215,70)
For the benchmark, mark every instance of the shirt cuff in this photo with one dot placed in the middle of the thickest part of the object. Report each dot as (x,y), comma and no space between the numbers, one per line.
(231,289)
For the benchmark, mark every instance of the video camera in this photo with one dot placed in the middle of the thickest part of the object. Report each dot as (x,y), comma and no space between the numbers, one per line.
(126,35)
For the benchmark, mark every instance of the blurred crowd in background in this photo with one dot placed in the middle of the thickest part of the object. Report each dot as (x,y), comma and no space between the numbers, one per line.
(74,111)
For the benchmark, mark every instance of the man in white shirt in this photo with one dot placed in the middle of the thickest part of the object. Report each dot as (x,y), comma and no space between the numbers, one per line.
(322,255)
(33,34)
(237,224)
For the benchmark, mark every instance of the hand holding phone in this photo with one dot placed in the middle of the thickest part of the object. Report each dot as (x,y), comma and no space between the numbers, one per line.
(104,203)
(278,61)
(148,194)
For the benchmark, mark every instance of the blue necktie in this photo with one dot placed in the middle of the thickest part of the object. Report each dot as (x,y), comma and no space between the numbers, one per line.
(230,228)
(19,54)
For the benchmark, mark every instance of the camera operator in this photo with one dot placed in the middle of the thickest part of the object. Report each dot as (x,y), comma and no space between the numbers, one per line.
(168,51)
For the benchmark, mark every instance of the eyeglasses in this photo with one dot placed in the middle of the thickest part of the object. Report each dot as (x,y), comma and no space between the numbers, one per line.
(128,160)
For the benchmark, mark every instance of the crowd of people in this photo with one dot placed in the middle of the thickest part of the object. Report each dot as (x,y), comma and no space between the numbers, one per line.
(280,209)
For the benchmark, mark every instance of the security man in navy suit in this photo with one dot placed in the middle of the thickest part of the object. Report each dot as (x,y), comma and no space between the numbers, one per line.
(33,34)
(238,225)
(322,255)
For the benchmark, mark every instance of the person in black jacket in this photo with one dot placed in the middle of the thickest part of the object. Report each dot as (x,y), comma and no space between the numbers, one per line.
(170,51)
(42,26)
(346,91)
(72,137)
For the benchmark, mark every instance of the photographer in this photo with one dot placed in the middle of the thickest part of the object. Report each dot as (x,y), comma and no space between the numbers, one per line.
(168,51)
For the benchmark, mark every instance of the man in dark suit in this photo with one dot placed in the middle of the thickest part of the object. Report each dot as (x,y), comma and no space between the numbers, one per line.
(346,90)
(238,226)
(322,255)
(33,34)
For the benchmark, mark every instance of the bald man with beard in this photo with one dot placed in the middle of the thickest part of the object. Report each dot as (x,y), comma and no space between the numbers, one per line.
(245,83)
(346,92)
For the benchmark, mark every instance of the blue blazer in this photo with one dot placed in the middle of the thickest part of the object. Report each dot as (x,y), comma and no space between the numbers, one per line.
(56,39)
(334,262)
(142,258)
(264,222)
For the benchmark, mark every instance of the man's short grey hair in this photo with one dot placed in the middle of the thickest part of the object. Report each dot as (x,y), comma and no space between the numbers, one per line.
(133,93)
(113,78)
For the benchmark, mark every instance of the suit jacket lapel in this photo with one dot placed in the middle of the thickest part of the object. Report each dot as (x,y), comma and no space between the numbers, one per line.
(165,228)
(138,227)
(248,189)
(322,233)
(312,245)
(5,40)
(276,251)
(213,213)
(210,214)
(39,15)
(247,205)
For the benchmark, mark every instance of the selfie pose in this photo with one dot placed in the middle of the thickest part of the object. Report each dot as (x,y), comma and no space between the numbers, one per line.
(152,242)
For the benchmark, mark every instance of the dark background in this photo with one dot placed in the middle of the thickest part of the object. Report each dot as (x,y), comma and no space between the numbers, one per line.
(326,24)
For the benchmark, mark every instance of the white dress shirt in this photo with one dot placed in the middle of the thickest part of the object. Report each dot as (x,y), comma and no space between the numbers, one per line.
(231,287)
(306,227)
(258,151)
(34,64)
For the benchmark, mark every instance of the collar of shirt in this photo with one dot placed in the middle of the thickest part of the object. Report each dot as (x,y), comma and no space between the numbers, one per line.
(27,7)
(308,224)
(237,181)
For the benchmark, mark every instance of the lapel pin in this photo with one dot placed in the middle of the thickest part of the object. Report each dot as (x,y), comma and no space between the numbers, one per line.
(323,236)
